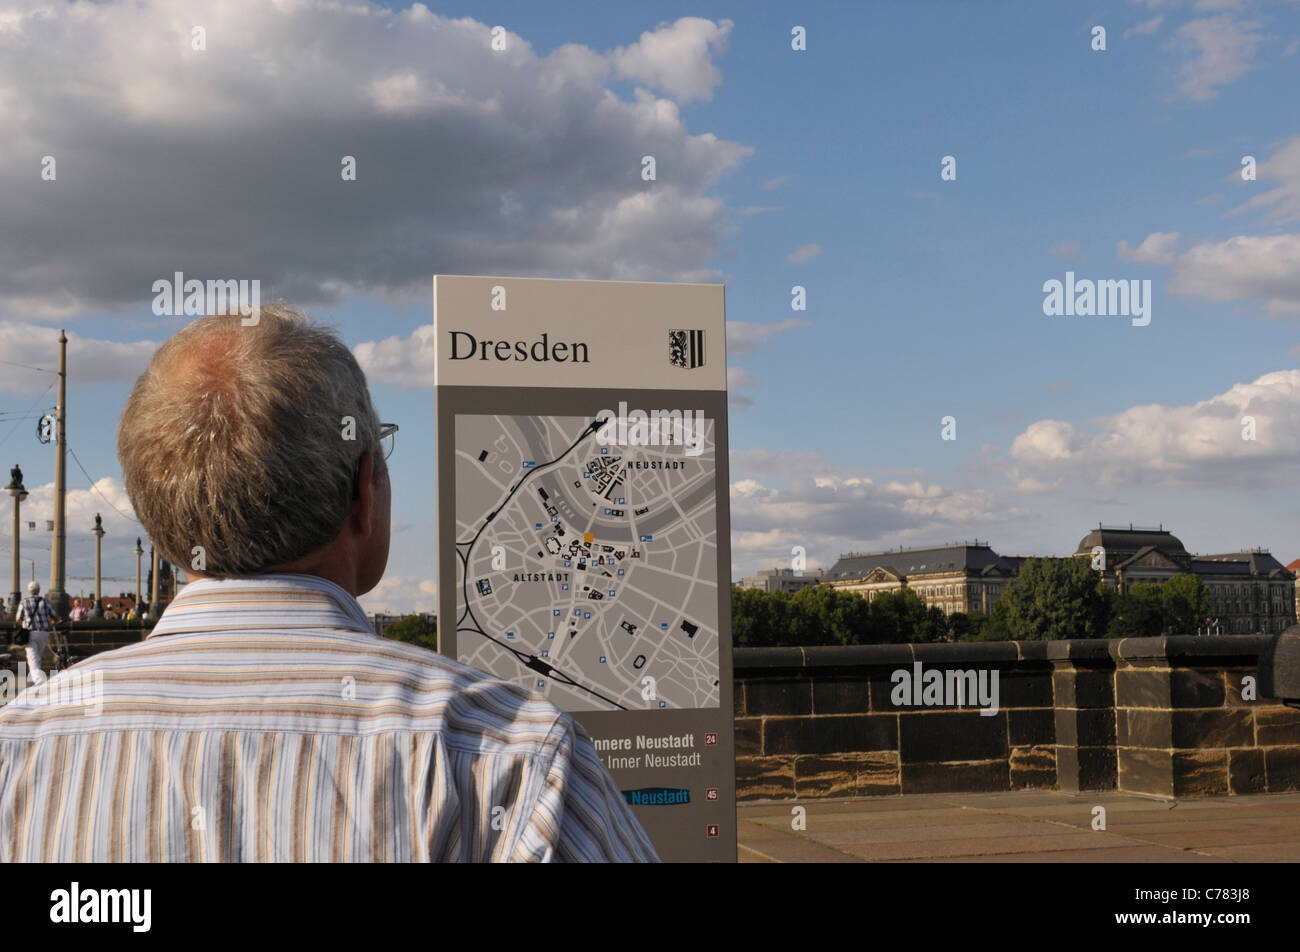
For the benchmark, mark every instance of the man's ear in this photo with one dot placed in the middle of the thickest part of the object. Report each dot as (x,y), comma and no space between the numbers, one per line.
(363,507)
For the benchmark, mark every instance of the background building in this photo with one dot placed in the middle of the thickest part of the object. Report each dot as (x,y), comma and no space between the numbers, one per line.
(1294,569)
(1250,592)
(781,580)
(957,578)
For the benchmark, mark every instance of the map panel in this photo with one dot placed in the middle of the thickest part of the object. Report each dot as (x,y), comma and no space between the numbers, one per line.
(587,569)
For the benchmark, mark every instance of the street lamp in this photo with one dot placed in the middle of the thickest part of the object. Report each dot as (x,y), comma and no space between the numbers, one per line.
(15,489)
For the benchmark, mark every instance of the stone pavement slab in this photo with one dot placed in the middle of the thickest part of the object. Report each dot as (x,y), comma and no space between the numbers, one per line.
(1023,826)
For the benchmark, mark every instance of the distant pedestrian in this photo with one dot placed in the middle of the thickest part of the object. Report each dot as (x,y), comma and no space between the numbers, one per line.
(79,611)
(37,615)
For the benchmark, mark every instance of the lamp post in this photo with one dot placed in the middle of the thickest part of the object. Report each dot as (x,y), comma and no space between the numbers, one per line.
(15,489)
(57,596)
(99,601)
(139,551)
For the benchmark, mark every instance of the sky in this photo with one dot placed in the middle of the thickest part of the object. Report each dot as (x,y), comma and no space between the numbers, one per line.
(922,169)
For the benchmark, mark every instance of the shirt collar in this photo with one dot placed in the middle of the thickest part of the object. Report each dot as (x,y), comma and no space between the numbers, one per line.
(261,602)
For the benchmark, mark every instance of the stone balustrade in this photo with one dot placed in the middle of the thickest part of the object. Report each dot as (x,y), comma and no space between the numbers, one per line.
(1164,716)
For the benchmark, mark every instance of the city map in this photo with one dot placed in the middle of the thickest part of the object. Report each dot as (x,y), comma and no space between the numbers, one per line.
(587,571)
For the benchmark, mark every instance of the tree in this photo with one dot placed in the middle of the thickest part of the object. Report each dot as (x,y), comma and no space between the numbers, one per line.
(932,627)
(833,616)
(1052,599)
(983,627)
(415,630)
(1137,613)
(897,617)
(1186,604)
(762,620)
(959,626)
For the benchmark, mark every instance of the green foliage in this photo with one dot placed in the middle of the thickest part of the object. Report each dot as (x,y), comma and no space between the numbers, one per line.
(897,617)
(933,627)
(415,630)
(821,615)
(999,625)
(832,617)
(959,626)
(1137,613)
(760,619)
(1050,599)
(1053,599)
(1186,604)
(982,627)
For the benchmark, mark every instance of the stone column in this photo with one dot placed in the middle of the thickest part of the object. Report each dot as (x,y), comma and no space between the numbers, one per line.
(98,611)
(1083,689)
(155,609)
(139,596)
(15,489)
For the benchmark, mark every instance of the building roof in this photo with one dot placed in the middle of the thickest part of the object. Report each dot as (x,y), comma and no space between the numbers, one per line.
(1252,563)
(1122,545)
(953,558)
(1116,541)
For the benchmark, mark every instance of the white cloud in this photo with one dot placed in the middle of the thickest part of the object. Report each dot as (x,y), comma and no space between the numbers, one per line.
(676,58)
(1282,203)
(745,338)
(738,380)
(401,595)
(1197,445)
(1068,248)
(89,360)
(81,505)
(774,182)
(1244,268)
(468,160)
(1145,28)
(1156,248)
(783,498)
(1218,50)
(803,253)
(406,362)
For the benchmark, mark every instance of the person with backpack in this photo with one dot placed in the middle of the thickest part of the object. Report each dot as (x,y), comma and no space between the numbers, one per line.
(37,615)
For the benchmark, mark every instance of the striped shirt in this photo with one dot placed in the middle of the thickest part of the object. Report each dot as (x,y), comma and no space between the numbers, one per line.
(35,613)
(263,720)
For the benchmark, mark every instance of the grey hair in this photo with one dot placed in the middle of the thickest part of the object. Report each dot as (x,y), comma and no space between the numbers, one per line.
(235,439)
(34,588)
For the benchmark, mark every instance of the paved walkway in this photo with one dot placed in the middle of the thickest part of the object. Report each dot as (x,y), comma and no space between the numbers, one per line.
(1023,826)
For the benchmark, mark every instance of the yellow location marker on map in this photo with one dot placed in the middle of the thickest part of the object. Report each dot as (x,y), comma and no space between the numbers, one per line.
(589,537)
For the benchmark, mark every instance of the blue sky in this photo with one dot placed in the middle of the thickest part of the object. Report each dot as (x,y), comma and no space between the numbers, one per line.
(776,168)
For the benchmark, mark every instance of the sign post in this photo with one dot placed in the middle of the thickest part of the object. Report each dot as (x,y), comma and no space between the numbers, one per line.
(584,528)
